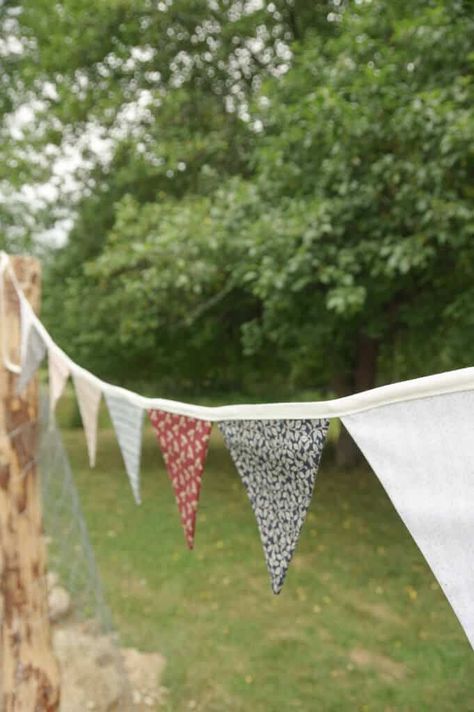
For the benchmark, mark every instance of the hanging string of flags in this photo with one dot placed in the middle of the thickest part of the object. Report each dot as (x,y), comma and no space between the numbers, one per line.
(417,435)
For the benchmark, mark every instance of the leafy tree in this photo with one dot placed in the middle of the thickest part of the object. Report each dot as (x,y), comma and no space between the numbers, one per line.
(163,87)
(352,240)
(365,176)
(297,215)
(167,88)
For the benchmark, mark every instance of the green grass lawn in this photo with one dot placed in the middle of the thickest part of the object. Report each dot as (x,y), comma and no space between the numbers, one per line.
(360,625)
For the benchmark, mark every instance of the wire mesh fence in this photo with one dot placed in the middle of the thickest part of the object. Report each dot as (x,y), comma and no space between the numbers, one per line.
(70,554)
(96,672)
(94,675)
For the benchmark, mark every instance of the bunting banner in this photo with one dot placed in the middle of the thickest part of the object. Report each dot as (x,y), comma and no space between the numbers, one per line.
(34,351)
(418,436)
(88,397)
(183,442)
(423,453)
(58,369)
(278,461)
(127,420)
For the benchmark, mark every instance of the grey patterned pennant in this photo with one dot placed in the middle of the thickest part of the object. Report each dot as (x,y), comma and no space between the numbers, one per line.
(34,351)
(127,419)
(277,461)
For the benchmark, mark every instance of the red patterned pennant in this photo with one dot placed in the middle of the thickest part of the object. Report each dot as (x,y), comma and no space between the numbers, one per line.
(183,442)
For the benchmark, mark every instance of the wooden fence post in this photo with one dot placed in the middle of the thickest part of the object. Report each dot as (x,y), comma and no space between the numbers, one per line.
(29,670)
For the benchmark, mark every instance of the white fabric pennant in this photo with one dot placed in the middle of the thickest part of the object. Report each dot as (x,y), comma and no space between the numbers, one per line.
(423,453)
(58,375)
(34,351)
(25,325)
(127,419)
(88,398)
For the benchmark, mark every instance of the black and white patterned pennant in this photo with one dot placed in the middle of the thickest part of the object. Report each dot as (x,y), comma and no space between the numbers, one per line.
(277,461)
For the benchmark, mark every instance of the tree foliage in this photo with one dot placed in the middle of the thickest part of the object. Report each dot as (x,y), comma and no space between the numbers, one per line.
(287,197)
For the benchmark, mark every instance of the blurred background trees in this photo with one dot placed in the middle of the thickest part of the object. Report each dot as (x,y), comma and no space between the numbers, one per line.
(258,198)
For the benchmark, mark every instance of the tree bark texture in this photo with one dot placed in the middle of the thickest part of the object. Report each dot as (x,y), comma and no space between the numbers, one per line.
(30,675)
(363,378)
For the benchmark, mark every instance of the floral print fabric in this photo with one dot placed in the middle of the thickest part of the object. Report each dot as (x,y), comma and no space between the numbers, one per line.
(184,442)
(277,461)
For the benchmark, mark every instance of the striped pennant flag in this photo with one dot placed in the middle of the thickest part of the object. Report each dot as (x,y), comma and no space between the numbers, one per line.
(127,419)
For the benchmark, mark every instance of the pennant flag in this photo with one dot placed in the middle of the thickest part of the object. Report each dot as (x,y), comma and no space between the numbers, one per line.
(184,442)
(34,351)
(277,461)
(25,324)
(423,453)
(58,375)
(127,419)
(88,398)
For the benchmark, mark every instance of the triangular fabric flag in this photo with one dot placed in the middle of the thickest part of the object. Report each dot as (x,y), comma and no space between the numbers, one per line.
(58,375)
(127,419)
(277,461)
(88,398)
(423,453)
(25,324)
(184,442)
(34,352)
